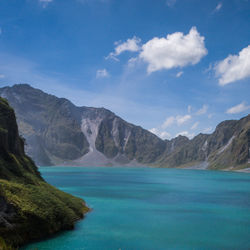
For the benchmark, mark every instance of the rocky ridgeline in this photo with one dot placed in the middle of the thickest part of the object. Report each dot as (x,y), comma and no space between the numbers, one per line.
(59,133)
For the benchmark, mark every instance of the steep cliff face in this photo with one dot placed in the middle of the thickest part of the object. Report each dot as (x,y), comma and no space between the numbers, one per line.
(227,147)
(58,132)
(29,207)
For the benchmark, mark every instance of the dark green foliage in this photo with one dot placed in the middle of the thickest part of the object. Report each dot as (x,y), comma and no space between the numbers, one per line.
(29,207)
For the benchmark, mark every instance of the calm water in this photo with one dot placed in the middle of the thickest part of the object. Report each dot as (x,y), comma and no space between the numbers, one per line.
(145,208)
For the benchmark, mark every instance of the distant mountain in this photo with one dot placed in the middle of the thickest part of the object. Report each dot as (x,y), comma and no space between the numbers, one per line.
(30,208)
(227,147)
(58,132)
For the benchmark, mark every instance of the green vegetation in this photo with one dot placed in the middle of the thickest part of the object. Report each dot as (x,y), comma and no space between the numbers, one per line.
(31,209)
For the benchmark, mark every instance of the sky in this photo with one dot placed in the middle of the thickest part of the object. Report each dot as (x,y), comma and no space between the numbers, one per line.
(171,66)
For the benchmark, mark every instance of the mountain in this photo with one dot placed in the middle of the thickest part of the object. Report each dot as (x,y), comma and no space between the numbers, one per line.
(58,132)
(228,147)
(30,208)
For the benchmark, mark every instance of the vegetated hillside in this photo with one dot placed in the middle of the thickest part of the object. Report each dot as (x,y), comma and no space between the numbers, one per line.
(58,132)
(30,208)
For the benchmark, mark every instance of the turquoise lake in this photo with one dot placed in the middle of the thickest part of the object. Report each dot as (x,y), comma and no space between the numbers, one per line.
(148,208)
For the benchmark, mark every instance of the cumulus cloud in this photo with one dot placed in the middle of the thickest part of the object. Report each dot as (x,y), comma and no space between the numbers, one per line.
(162,134)
(101,73)
(132,45)
(238,108)
(195,125)
(174,50)
(234,67)
(203,110)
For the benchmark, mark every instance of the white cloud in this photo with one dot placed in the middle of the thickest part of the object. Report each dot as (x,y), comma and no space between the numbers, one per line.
(185,133)
(203,110)
(207,130)
(210,116)
(195,125)
(189,108)
(218,7)
(162,134)
(132,45)
(182,119)
(2,76)
(168,122)
(238,108)
(179,74)
(175,50)
(179,120)
(100,73)
(234,67)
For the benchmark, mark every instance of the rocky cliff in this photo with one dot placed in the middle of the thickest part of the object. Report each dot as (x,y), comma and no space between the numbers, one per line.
(30,208)
(58,132)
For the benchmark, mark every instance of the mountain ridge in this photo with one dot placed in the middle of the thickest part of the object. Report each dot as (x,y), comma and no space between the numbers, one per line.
(59,133)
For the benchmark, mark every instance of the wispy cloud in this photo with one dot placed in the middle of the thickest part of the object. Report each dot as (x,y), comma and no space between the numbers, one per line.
(203,110)
(162,134)
(132,45)
(238,108)
(170,3)
(182,119)
(102,73)
(179,74)
(179,120)
(218,7)
(185,133)
(234,67)
(207,130)
(195,125)
(44,3)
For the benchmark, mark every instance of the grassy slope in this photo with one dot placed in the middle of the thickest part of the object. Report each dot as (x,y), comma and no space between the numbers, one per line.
(30,208)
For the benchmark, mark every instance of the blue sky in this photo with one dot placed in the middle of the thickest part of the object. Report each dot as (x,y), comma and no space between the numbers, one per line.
(172,67)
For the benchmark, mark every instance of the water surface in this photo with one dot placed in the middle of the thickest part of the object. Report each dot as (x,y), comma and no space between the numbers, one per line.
(146,208)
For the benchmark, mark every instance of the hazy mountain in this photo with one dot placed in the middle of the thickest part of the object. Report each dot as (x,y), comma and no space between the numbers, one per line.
(58,132)
(30,208)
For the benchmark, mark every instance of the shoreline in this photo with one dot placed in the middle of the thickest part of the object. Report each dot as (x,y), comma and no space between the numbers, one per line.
(192,167)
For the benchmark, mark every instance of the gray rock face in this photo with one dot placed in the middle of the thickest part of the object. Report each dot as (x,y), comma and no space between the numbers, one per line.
(59,133)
